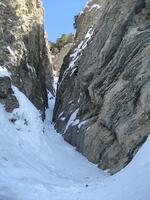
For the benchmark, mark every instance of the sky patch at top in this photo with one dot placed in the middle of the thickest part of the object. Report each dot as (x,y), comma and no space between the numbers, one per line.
(59,16)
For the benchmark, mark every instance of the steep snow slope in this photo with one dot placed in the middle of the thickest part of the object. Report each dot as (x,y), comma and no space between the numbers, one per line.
(36,163)
(132,183)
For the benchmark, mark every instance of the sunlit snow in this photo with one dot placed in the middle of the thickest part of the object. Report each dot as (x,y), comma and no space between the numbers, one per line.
(4,72)
(36,163)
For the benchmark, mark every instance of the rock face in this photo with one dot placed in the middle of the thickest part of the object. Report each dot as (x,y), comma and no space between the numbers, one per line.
(58,59)
(88,18)
(7,97)
(103,99)
(23,49)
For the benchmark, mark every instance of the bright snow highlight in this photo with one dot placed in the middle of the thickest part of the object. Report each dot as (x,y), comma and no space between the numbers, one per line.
(36,163)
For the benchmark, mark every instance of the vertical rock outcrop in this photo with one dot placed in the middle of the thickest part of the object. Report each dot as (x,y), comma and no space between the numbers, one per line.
(24,50)
(88,18)
(102,105)
(58,58)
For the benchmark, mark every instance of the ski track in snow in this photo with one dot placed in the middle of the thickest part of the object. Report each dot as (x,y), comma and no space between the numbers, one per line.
(36,163)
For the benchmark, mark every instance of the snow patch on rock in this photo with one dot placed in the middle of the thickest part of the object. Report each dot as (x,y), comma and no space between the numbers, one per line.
(4,72)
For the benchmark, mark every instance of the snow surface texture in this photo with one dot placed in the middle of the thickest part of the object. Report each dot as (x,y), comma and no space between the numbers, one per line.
(36,163)
(95,6)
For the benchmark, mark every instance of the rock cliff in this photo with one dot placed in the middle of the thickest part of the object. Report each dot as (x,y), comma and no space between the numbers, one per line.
(59,50)
(24,54)
(102,104)
(88,18)
(57,59)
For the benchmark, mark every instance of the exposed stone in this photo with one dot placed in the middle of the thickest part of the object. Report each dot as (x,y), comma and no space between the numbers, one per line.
(5,87)
(7,97)
(11,103)
(88,18)
(23,49)
(102,105)
(58,59)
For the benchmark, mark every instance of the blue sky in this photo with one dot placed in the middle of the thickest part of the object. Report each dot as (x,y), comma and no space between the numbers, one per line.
(59,16)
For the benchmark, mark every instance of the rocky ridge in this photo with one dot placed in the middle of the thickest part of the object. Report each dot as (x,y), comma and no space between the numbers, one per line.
(102,104)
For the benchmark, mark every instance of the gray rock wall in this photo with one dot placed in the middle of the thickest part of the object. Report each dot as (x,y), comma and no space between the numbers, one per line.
(102,105)
(58,59)
(88,18)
